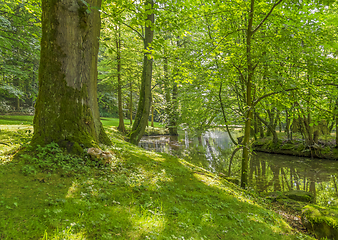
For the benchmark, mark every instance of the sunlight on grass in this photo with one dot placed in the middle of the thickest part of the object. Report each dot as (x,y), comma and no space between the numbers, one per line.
(62,234)
(72,190)
(147,221)
(140,195)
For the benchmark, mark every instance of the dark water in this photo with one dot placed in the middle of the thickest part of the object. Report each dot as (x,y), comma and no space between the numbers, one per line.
(267,172)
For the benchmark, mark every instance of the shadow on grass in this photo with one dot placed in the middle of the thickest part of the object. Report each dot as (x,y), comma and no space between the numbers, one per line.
(141,195)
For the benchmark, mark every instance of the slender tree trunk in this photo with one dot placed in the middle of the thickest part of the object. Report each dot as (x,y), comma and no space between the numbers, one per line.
(167,90)
(248,115)
(152,115)
(287,126)
(141,118)
(131,103)
(121,126)
(337,123)
(66,109)
(271,126)
(174,111)
(171,93)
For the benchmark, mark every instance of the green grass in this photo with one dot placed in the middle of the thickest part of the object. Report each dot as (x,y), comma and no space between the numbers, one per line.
(140,195)
(16,120)
(28,120)
(108,122)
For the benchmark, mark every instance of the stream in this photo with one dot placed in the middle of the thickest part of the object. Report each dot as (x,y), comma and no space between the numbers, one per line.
(267,172)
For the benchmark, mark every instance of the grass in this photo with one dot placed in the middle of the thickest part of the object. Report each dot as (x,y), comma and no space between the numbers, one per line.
(28,120)
(139,195)
(108,122)
(16,120)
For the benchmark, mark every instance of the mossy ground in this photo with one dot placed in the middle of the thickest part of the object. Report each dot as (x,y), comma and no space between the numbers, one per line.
(140,195)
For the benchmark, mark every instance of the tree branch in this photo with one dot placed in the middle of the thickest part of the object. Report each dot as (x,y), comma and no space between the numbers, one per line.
(140,35)
(267,15)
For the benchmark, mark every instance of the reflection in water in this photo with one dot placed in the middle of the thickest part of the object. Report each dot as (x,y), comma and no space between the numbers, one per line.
(267,172)
(285,173)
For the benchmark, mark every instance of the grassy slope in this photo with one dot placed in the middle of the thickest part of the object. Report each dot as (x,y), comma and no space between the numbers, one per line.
(141,195)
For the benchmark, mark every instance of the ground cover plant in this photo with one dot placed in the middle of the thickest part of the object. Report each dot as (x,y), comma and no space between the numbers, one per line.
(139,195)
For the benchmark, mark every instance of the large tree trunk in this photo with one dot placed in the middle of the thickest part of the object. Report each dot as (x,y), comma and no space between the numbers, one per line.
(143,109)
(66,109)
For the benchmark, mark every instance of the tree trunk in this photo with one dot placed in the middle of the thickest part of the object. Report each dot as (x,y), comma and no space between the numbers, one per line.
(121,127)
(141,118)
(171,100)
(336,113)
(66,109)
(152,115)
(248,114)
(131,103)
(271,126)
(174,113)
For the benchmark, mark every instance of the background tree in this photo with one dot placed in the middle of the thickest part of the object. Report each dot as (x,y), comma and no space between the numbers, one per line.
(141,118)
(20,32)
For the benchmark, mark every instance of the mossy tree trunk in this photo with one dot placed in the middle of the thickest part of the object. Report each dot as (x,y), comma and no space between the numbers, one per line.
(143,109)
(66,109)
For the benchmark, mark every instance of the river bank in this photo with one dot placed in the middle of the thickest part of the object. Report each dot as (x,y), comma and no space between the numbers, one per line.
(324,149)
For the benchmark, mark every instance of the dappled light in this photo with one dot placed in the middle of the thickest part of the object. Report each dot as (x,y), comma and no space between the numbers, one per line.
(173,120)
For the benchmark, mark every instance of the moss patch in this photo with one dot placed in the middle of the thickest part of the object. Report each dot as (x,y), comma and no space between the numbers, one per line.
(321,221)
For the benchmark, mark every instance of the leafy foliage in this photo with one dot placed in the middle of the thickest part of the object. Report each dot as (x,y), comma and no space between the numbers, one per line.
(51,158)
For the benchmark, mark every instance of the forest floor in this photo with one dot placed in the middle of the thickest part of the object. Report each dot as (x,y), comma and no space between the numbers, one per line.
(138,195)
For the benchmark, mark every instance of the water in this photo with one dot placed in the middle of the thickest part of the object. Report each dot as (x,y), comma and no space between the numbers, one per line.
(267,172)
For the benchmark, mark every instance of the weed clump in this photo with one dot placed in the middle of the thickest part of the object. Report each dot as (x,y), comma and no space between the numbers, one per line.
(52,158)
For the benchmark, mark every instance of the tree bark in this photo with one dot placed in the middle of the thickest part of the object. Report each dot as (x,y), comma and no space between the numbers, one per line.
(248,114)
(336,113)
(152,115)
(66,109)
(131,103)
(141,118)
(121,127)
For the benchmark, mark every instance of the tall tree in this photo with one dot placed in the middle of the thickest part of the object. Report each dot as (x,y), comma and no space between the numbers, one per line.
(143,109)
(66,109)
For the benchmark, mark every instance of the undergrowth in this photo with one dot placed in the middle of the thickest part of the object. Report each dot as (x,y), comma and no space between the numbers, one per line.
(52,158)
